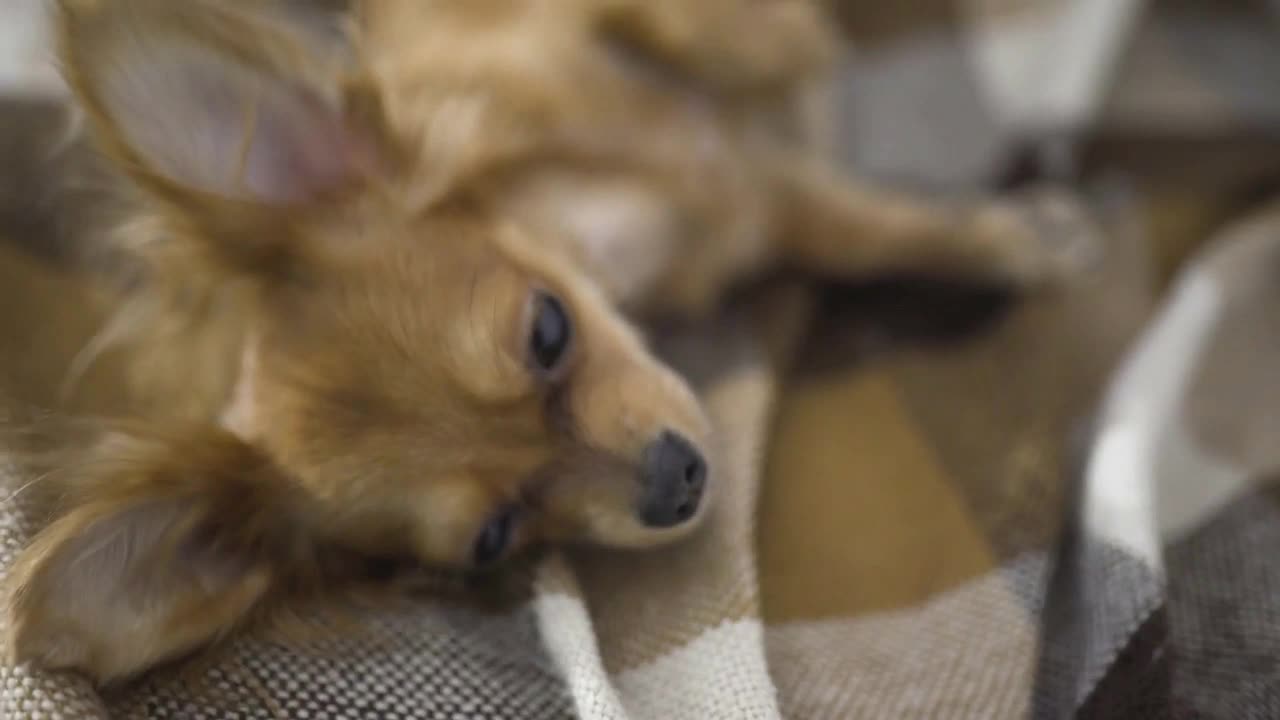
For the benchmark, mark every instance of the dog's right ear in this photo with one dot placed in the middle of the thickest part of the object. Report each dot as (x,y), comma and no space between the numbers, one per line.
(168,544)
(213,110)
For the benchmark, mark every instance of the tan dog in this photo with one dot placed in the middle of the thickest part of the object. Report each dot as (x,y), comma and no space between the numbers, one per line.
(430,234)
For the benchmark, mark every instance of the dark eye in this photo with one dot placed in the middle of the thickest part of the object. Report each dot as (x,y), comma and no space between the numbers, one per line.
(551,334)
(493,539)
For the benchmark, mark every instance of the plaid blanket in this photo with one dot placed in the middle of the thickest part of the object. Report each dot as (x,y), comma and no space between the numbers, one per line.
(994,526)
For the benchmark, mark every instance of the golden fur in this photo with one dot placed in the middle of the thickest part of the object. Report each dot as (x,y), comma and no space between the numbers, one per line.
(381,213)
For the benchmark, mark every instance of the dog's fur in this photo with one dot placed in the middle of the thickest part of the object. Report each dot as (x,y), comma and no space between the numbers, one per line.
(380,208)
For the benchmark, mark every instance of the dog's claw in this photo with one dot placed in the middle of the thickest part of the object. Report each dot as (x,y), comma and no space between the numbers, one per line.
(1045,237)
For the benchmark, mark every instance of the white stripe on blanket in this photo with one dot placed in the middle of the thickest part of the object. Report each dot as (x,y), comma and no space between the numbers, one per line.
(1145,464)
(722,672)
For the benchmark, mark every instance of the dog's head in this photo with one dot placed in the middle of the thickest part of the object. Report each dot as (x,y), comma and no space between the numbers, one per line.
(418,377)
(440,381)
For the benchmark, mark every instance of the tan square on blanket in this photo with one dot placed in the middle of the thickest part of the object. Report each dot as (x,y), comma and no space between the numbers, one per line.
(860,515)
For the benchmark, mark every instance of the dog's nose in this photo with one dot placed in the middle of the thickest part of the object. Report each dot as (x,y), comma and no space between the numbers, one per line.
(674,476)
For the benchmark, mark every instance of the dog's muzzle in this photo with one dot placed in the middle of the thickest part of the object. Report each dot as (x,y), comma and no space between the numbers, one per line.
(674,476)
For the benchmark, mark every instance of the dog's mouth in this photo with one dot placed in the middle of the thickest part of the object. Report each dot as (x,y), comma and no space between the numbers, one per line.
(596,497)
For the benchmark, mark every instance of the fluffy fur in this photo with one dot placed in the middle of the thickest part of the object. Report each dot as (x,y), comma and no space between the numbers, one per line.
(374,212)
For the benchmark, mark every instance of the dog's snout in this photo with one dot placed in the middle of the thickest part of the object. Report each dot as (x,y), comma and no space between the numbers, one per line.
(674,476)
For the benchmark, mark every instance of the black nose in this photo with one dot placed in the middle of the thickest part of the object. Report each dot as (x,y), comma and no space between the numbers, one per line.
(674,476)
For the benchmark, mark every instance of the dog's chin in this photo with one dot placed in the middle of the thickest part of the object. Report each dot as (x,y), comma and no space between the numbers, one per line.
(663,536)
(630,533)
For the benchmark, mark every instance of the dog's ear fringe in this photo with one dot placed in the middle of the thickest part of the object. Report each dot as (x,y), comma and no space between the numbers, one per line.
(174,522)
(319,594)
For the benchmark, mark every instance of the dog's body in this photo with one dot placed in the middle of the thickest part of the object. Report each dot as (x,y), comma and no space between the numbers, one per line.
(670,148)
(428,238)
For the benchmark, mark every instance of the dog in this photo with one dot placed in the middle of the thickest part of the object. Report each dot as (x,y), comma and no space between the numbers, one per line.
(436,225)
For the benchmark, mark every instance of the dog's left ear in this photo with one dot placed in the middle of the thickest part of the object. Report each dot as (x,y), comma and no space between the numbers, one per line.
(214,110)
(168,546)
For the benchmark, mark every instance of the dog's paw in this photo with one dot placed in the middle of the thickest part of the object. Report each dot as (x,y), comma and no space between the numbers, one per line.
(1039,239)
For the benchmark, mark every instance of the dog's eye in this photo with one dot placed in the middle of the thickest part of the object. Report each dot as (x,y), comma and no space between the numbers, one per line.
(551,333)
(493,539)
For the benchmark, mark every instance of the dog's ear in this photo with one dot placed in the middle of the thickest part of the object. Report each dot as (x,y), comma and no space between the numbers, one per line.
(207,103)
(167,546)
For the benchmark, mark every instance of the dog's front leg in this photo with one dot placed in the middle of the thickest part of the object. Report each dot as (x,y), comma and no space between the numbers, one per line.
(828,224)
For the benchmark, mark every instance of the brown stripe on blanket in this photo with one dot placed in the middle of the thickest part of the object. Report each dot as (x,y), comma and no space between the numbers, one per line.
(998,411)
(413,663)
(910,501)
(47,315)
(857,515)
